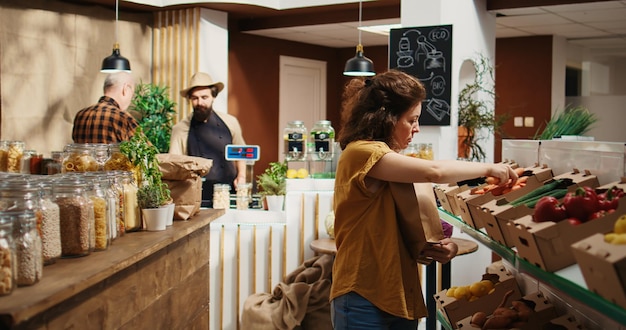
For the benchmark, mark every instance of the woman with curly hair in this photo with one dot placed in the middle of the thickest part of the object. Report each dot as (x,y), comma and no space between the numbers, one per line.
(375,277)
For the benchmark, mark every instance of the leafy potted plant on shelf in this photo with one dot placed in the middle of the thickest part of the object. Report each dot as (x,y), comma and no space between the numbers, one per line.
(150,199)
(154,110)
(272,184)
(152,191)
(477,110)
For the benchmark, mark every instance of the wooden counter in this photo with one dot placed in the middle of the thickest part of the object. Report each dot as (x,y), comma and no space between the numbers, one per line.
(145,280)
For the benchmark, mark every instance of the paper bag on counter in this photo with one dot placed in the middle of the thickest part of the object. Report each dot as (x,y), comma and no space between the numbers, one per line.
(183,176)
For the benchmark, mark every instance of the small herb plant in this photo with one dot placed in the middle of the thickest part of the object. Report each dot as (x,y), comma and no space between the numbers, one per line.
(143,155)
(273,180)
(155,112)
(150,197)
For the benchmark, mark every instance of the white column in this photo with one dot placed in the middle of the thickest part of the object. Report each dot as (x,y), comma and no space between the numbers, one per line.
(473,33)
(214,51)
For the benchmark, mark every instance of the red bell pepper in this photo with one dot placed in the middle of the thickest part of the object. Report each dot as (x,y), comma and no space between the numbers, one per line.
(609,200)
(581,203)
(548,208)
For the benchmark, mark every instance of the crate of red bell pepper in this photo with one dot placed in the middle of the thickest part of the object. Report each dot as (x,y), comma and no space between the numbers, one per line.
(545,237)
(497,214)
(602,258)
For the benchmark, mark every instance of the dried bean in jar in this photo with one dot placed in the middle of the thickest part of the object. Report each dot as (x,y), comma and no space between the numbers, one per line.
(75,225)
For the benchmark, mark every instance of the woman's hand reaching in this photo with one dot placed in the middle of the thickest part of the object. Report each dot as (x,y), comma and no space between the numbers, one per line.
(442,252)
(505,173)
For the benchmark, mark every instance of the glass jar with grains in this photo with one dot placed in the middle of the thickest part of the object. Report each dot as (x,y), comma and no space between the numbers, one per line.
(21,193)
(27,248)
(50,225)
(76,215)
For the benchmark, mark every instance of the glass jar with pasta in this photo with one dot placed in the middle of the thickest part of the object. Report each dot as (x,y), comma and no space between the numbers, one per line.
(4,148)
(78,157)
(132,219)
(15,152)
(8,266)
(101,208)
(117,161)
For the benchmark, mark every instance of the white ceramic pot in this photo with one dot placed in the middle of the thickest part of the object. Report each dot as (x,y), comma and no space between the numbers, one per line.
(155,219)
(275,202)
(170,213)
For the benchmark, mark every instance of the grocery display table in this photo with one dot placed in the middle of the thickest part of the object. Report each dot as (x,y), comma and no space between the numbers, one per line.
(147,280)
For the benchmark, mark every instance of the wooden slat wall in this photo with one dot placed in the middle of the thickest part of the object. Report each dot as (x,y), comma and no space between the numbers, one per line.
(176,52)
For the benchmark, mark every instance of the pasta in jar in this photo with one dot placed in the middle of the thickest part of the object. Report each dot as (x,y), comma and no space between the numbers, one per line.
(78,158)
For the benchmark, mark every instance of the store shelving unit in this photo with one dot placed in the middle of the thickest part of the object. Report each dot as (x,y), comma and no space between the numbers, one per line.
(563,285)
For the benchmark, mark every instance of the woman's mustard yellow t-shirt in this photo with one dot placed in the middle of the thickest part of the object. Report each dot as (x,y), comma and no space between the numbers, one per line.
(371,259)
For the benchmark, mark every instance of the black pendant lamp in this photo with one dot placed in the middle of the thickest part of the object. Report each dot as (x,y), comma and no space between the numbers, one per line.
(115,62)
(359,65)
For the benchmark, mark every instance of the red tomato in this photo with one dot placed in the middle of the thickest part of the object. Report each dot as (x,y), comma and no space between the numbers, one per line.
(573,221)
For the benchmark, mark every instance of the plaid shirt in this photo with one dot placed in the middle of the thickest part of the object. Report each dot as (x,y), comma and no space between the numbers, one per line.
(103,122)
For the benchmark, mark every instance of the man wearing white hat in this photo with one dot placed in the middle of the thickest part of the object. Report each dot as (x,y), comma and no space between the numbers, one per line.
(206,133)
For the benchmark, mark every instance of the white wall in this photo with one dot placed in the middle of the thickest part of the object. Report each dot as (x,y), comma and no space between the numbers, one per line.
(611,113)
(473,33)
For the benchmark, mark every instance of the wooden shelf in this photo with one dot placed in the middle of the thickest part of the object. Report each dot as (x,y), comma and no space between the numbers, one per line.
(69,281)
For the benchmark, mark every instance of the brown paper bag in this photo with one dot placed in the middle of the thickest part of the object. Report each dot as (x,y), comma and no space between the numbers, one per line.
(183,176)
(418,218)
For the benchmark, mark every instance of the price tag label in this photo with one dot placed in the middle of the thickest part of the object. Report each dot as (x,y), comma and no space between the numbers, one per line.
(242,152)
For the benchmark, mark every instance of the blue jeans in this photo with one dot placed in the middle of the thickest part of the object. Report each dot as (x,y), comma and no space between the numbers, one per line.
(353,312)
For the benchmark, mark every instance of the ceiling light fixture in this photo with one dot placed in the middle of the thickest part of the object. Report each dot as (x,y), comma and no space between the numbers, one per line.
(115,62)
(359,65)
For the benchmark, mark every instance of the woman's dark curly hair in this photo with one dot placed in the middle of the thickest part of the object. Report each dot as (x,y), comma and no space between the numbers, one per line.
(371,107)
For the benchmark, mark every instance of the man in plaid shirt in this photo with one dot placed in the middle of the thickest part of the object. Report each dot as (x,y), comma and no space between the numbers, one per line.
(108,121)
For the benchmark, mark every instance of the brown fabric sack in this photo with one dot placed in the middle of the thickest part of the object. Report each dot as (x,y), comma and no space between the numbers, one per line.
(183,176)
(301,302)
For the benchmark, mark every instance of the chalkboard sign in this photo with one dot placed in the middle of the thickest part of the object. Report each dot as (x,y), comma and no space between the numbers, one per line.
(426,53)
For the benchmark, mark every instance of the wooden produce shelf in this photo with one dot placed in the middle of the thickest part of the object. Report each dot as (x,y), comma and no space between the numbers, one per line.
(143,280)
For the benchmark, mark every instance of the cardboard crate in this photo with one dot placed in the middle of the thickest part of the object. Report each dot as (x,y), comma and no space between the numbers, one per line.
(464,196)
(470,204)
(548,244)
(544,311)
(603,266)
(446,193)
(497,214)
(564,322)
(483,209)
(455,310)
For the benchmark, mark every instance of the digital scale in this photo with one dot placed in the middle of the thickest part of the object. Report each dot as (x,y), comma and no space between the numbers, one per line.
(242,152)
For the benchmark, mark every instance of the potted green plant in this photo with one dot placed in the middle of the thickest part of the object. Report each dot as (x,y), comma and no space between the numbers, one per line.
(150,198)
(154,110)
(477,110)
(272,184)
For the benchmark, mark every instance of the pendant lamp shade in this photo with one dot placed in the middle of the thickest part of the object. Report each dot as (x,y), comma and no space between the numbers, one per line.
(115,62)
(359,65)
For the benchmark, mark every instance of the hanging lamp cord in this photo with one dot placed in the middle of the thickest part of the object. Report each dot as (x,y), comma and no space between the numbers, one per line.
(117,3)
(360,18)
